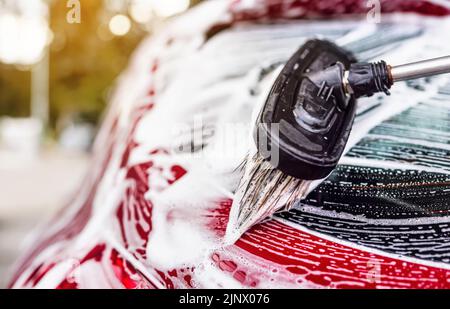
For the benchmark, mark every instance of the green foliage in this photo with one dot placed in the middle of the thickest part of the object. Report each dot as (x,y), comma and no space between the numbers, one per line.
(14,92)
(85,59)
(83,66)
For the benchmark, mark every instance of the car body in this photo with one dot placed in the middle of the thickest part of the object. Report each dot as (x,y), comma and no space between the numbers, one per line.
(153,209)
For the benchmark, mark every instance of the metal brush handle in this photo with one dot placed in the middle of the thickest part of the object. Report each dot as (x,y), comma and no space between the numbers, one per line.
(420,69)
(365,79)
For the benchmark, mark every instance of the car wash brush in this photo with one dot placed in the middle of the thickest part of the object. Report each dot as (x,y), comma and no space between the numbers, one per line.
(305,123)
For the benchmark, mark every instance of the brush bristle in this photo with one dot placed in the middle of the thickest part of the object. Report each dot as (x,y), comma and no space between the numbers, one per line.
(263,190)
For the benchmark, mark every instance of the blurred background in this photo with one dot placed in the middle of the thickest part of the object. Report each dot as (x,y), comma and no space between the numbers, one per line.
(58,62)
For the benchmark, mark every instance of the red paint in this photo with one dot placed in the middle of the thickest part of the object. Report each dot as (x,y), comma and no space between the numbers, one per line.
(82,216)
(165,279)
(218,216)
(137,116)
(39,272)
(66,285)
(177,172)
(123,270)
(155,66)
(238,272)
(134,211)
(95,254)
(329,264)
(296,9)
(229,266)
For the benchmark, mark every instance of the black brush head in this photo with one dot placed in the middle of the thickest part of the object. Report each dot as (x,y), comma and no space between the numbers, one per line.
(312,113)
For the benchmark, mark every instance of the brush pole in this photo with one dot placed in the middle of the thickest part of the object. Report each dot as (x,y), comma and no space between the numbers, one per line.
(420,69)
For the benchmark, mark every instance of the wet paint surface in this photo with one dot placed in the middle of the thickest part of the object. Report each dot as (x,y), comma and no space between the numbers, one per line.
(153,215)
(263,9)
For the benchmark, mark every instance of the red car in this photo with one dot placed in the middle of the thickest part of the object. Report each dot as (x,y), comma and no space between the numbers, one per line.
(153,210)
